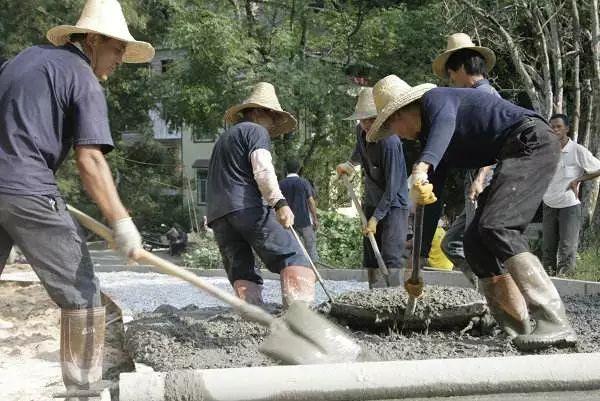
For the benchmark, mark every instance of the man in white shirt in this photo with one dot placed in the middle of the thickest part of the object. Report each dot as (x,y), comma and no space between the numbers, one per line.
(562,208)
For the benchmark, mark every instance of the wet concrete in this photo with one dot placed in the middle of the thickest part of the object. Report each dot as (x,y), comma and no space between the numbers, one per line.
(195,338)
(383,309)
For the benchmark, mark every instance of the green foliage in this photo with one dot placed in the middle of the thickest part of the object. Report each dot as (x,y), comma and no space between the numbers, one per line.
(203,253)
(339,240)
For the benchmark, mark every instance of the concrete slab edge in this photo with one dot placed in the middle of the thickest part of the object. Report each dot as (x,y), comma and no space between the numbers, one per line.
(370,380)
(565,287)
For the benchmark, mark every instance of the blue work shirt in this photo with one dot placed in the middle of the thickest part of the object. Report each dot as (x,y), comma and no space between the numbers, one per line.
(465,127)
(50,101)
(297,191)
(384,170)
(231,185)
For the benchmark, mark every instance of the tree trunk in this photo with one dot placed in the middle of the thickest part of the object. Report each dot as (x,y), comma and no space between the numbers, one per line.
(541,45)
(556,51)
(576,113)
(594,140)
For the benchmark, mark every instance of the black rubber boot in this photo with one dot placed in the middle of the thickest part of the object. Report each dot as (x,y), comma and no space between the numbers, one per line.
(249,291)
(506,304)
(82,348)
(552,328)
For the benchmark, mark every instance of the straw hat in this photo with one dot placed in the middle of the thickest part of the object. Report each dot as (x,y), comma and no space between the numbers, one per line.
(104,17)
(456,42)
(391,94)
(365,106)
(263,97)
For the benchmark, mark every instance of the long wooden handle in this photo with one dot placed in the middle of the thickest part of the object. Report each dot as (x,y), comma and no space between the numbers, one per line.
(381,264)
(163,266)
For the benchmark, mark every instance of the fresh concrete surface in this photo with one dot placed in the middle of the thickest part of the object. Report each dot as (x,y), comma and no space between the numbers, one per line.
(555,396)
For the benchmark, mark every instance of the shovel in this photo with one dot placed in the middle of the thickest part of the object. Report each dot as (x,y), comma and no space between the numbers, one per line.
(417,274)
(381,264)
(298,337)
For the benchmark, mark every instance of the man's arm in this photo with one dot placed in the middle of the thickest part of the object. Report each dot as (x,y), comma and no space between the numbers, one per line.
(590,165)
(391,159)
(98,182)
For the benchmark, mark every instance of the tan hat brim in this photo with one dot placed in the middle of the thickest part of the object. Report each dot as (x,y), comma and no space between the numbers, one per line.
(417,92)
(135,52)
(439,64)
(361,116)
(286,122)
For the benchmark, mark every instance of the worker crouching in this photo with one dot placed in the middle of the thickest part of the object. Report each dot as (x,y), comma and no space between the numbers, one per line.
(463,128)
(241,179)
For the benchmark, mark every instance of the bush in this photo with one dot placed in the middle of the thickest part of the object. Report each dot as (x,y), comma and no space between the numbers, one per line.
(203,252)
(339,241)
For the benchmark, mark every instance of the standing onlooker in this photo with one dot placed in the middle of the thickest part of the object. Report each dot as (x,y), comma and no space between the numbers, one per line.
(562,208)
(300,195)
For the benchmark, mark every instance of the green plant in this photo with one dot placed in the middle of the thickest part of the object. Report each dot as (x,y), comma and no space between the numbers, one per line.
(203,253)
(339,241)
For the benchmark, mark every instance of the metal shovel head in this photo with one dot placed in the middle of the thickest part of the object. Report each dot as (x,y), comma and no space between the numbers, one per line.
(302,337)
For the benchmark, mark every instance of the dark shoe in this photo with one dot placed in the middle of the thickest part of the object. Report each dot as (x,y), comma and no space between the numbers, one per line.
(552,328)
(506,304)
(81,348)
(249,291)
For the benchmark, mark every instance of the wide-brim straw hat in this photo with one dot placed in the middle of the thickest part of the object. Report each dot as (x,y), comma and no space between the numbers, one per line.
(391,94)
(365,106)
(263,97)
(457,42)
(104,17)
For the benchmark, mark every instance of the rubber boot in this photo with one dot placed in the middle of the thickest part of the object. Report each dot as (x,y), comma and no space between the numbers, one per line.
(297,284)
(249,291)
(506,304)
(465,268)
(375,278)
(552,328)
(81,348)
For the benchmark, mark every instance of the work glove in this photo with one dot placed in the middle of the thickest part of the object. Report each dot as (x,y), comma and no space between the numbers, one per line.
(127,238)
(414,289)
(285,216)
(345,168)
(421,191)
(371,227)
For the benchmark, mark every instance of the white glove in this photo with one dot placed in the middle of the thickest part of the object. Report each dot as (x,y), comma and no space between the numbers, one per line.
(127,238)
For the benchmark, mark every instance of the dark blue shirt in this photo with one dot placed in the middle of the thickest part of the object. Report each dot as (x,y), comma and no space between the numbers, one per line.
(465,127)
(384,170)
(231,185)
(50,101)
(297,191)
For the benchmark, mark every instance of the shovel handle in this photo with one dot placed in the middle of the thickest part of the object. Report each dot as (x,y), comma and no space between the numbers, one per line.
(312,265)
(163,266)
(417,242)
(381,264)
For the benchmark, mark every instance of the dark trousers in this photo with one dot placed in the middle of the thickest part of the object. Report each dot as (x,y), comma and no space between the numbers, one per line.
(257,228)
(390,237)
(561,238)
(525,168)
(309,238)
(53,244)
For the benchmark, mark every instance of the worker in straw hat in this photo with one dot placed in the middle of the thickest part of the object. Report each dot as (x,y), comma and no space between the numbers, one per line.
(50,101)
(385,201)
(468,128)
(466,65)
(240,176)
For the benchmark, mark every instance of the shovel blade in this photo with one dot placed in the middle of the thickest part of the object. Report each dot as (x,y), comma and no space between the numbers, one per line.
(302,337)
(411,305)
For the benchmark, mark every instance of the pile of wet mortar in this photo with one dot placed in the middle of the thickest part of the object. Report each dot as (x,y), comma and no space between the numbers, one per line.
(192,338)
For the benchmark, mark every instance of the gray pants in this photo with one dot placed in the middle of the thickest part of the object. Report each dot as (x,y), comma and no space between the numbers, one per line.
(452,244)
(309,237)
(52,242)
(561,238)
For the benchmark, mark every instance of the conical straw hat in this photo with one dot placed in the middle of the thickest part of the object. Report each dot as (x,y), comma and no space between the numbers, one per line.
(104,17)
(391,94)
(263,97)
(456,42)
(365,106)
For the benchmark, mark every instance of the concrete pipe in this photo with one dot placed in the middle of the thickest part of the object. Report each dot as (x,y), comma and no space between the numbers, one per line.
(369,380)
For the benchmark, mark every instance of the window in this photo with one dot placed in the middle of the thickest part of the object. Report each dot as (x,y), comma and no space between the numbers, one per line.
(201,182)
(164,65)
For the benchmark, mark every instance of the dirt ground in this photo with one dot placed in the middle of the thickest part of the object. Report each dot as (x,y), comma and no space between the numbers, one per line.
(195,338)
(29,351)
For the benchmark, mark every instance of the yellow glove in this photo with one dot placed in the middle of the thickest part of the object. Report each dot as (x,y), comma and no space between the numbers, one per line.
(414,289)
(371,226)
(345,168)
(421,193)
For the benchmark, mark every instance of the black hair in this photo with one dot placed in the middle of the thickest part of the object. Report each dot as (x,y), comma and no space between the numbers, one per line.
(563,117)
(292,166)
(472,60)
